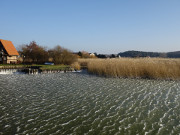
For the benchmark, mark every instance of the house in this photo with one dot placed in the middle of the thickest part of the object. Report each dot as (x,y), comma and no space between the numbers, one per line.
(92,55)
(8,53)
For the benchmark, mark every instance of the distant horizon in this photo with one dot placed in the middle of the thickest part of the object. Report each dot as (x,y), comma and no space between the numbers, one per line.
(103,26)
(94,52)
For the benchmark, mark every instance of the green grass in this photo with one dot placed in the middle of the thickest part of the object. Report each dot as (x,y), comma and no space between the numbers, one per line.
(6,66)
(53,67)
(42,67)
(11,65)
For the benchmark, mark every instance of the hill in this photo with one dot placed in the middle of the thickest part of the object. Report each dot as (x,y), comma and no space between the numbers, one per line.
(150,54)
(173,54)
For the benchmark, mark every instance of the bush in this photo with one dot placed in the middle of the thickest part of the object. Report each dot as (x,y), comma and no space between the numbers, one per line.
(62,56)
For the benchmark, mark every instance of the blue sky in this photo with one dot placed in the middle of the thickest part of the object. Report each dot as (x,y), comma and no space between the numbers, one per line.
(102,26)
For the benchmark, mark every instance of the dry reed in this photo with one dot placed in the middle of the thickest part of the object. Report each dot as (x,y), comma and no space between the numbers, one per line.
(76,66)
(152,68)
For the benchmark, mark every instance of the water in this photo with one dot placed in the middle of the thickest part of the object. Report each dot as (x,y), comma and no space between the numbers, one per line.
(76,103)
(9,71)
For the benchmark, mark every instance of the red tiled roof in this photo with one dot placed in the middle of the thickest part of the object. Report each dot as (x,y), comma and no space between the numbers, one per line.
(9,47)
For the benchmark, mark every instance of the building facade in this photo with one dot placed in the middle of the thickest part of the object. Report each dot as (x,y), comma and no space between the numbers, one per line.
(8,53)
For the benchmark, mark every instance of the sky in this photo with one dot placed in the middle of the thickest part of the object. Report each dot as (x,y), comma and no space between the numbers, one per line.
(101,26)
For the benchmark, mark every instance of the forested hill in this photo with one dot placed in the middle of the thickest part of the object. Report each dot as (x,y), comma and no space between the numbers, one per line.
(173,54)
(150,54)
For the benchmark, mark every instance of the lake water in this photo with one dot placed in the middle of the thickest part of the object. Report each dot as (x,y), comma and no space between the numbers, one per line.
(77,103)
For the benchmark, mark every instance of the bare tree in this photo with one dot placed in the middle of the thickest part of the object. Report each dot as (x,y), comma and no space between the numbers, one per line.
(33,53)
(62,56)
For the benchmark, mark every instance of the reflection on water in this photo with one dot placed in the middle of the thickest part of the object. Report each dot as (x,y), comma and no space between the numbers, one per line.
(82,104)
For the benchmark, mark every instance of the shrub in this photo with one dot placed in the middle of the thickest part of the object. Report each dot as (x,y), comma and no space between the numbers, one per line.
(60,55)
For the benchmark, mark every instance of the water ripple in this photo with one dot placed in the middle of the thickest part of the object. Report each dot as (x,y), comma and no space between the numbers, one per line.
(75,103)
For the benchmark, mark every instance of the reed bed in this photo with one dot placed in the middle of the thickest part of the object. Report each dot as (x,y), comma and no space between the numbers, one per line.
(152,68)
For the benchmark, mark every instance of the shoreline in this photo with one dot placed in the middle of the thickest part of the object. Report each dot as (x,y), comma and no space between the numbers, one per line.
(136,68)
(36,69)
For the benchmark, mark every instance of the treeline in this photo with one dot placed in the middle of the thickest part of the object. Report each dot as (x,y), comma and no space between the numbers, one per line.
(85,55)
(33,53)
(173,54)
(131,54)
(150,54)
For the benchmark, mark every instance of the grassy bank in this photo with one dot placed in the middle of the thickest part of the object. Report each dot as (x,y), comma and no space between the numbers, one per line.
(12,66)
(152,68)
(54,67)
(42,67)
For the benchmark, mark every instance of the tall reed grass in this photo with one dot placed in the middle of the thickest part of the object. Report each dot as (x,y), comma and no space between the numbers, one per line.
(152,68)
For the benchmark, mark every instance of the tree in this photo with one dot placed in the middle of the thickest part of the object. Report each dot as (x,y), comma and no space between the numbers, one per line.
(62,56)
(33,53)
(84,54)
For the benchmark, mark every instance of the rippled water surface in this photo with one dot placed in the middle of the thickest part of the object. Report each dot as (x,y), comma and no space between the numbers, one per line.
(76,103)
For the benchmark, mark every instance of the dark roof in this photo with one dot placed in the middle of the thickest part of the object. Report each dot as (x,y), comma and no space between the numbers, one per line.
(9,47)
